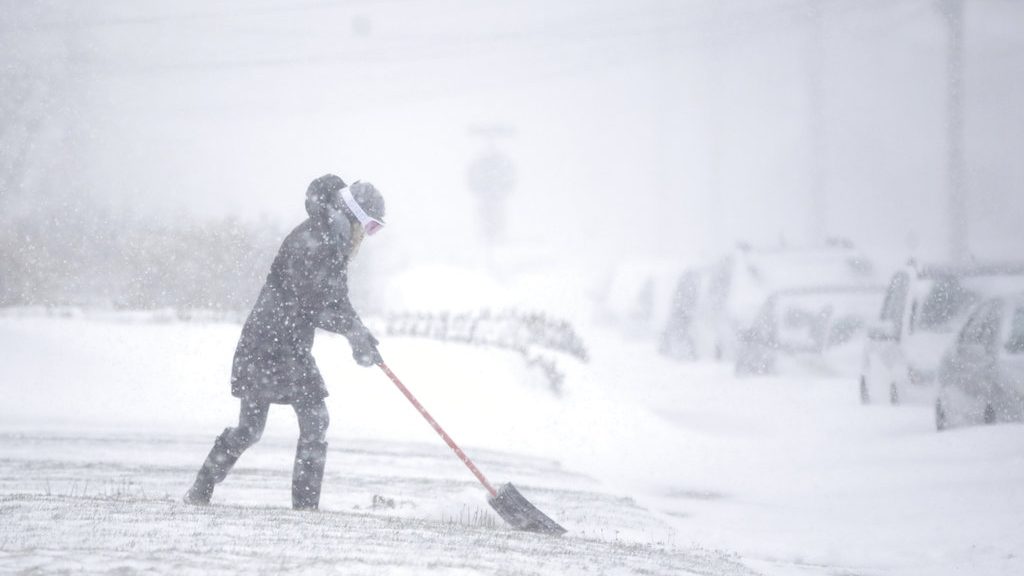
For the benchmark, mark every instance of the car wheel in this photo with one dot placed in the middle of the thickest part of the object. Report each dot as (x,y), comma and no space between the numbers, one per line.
(894,394)
(865,396)
(990,414)
(940,417)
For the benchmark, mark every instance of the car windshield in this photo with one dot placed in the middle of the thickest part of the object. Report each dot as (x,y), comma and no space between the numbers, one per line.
(823,319)
(952,297)
(947,301)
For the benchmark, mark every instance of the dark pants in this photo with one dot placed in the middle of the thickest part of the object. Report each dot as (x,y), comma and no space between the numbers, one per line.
(252,420)
(310,453)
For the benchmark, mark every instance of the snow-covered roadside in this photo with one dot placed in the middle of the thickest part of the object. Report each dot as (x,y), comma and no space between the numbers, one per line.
(791,473)
(104,502)
(131,535)
(143,409)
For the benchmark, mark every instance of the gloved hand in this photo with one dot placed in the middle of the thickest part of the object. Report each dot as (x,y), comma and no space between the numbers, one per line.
(364,349)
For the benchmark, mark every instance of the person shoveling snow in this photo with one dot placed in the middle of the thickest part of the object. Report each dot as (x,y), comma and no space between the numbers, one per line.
(306,289)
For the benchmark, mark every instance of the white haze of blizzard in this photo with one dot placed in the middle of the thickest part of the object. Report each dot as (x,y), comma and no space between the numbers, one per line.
(783,471)
(233,108)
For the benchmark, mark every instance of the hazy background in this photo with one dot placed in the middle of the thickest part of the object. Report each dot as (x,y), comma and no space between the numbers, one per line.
(632,129)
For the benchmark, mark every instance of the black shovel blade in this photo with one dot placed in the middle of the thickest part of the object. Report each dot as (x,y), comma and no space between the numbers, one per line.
(520,514)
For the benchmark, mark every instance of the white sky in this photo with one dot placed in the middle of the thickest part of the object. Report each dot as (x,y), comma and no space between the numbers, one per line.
(618,108)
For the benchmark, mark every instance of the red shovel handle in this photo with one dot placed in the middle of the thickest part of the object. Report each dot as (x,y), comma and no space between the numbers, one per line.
(440,431)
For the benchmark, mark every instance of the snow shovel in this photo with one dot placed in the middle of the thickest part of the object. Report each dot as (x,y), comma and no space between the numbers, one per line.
(506,501)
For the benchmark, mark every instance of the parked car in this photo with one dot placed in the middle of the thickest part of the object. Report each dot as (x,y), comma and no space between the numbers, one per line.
(981,377)
(717,303)
(817,325)
(923,308)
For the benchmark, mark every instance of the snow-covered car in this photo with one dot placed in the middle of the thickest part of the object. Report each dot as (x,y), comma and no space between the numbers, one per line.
(981,376)
(923,308)
(717,303)
(818,326)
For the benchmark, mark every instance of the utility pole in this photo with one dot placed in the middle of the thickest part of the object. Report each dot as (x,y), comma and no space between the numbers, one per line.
(716,121)
(956,183)
(818,204)
(664,103)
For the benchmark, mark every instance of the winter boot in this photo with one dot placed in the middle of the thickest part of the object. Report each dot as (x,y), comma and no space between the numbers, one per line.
(308,474)
(216,467)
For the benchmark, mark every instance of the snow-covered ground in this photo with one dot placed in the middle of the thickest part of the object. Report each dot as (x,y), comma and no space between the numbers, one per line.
(653,466)
(107,503)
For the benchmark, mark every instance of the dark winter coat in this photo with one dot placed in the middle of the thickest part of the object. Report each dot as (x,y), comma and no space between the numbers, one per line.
(306,289)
